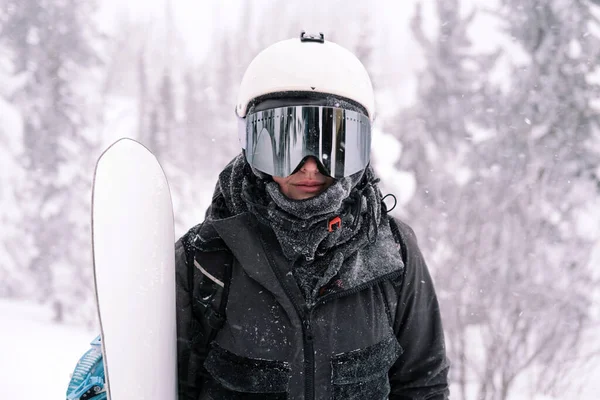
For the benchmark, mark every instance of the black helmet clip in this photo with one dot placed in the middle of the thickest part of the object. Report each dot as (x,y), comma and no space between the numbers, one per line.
(320,38)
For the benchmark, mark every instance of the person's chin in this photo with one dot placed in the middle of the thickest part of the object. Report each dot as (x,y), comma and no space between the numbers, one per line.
(302,196)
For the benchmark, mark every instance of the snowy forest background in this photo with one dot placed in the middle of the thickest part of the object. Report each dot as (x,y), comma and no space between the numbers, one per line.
(487,132)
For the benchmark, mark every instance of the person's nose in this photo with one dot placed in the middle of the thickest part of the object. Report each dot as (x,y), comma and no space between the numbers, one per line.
(310,166)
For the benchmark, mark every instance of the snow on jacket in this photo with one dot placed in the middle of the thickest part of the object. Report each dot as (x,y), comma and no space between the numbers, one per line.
(374,333)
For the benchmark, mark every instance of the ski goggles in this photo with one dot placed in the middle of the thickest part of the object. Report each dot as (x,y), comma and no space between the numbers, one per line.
(277,141)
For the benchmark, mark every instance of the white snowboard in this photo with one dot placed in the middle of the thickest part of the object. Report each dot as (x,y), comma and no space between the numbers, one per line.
(134,273)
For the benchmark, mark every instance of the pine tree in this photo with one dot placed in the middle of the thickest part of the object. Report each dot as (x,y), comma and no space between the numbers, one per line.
(436,140)
(13,281)
(50,44)
(543,160)
(503,174)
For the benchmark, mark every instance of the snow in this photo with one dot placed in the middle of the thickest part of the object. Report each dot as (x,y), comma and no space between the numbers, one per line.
(120,119)
(194,19)
(37,356)
(587,221)
(486,36)
(11,127)
(478,133)
(386,153)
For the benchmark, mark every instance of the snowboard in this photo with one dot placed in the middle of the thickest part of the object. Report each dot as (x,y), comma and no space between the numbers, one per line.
(134,273)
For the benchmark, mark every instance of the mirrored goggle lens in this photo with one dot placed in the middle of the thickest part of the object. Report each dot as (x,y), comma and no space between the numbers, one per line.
(279,139)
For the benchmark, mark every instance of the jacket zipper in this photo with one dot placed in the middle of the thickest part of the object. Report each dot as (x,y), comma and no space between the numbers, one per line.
(304,314)
(309,357)
(307,334)
(305,317)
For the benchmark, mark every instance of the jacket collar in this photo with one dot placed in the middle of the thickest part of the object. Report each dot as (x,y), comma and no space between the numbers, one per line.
(259,253)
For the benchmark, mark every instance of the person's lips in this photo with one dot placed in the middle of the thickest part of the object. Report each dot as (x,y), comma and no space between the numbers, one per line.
(309,186)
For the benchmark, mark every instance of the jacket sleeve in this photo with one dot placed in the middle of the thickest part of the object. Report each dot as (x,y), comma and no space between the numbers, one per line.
(421,372)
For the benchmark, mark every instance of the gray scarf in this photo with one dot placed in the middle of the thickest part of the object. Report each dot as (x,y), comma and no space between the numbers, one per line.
(301,226)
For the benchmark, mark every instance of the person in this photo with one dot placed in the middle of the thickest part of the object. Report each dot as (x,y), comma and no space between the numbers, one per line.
(299,284)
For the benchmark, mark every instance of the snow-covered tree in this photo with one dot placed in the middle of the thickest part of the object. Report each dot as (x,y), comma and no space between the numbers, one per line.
(540,172)
(51,45)
(437,146)
(13,261)
(504,170)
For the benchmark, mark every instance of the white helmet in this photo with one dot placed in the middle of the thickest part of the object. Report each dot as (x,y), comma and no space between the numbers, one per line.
(307,64)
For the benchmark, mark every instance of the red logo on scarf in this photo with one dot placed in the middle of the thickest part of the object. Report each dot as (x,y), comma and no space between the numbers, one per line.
(335,223)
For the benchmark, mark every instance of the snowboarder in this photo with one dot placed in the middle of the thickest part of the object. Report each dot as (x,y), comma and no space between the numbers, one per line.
(298,284)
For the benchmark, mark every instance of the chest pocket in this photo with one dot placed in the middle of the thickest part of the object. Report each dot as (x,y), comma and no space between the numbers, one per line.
(237,377)
(363,374)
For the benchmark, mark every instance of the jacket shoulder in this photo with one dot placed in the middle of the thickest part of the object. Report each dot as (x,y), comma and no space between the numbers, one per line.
(405,236)
(404,229)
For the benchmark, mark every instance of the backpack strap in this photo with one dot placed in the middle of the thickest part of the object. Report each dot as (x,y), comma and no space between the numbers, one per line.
(209,273)
(212,285)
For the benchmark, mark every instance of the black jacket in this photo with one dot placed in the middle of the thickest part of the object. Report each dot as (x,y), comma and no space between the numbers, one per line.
(382,336)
